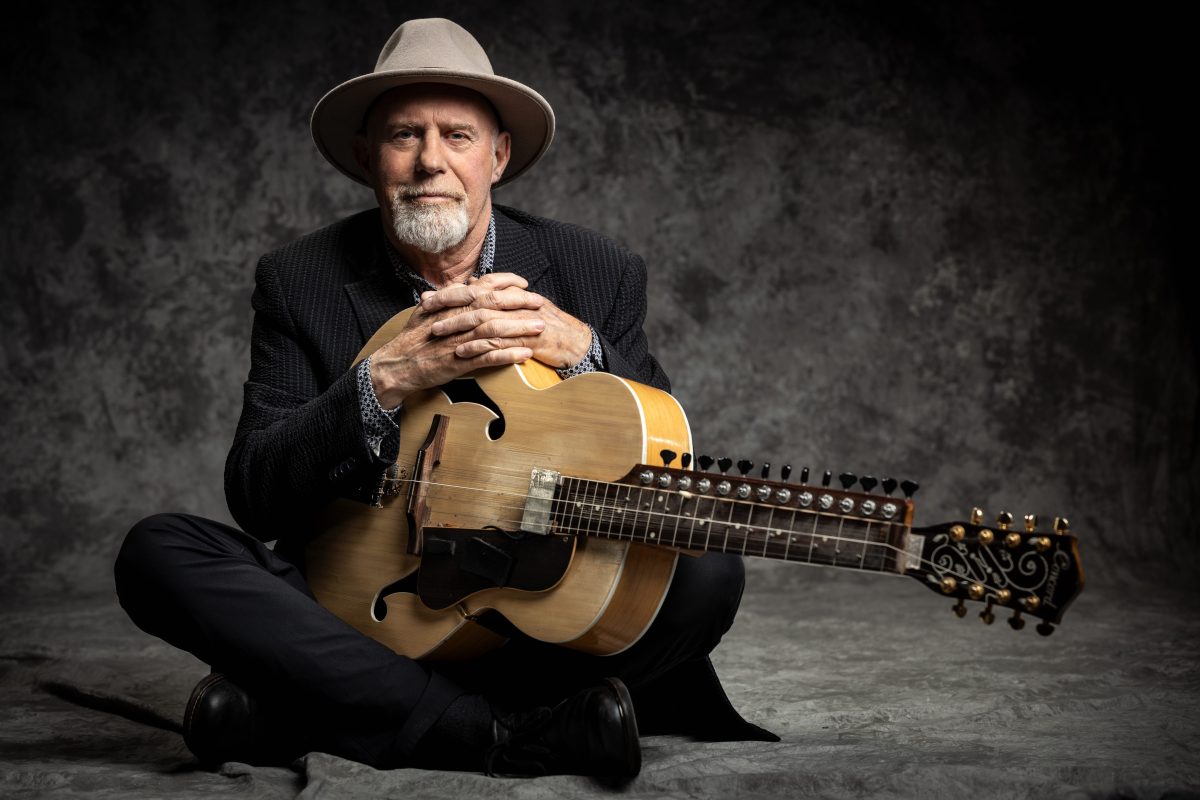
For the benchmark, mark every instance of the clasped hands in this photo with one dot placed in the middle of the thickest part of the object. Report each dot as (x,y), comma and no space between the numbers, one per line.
(486,322)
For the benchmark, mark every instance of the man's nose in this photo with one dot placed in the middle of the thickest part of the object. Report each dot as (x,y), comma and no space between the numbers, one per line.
(431,157)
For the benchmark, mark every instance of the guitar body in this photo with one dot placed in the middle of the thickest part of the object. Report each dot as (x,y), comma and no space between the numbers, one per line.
(592,426)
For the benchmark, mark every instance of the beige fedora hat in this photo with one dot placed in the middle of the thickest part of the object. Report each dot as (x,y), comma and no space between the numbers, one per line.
(433,51)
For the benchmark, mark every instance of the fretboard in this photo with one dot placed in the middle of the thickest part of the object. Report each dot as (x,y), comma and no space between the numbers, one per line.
(724,524)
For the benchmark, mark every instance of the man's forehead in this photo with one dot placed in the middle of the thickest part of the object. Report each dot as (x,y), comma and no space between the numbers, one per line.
(419,103)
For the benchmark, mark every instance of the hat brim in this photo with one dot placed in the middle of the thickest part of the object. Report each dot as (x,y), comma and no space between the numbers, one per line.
(524,113)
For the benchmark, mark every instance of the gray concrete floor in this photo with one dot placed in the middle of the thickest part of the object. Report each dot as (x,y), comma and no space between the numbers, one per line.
(876,688)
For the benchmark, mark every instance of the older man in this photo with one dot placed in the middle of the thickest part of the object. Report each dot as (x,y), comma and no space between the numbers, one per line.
(431,130)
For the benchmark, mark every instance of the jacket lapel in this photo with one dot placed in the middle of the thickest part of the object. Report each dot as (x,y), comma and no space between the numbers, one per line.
(515,249)
(378,295)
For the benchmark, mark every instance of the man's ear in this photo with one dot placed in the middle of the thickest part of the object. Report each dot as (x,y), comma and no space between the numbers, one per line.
(500,155)
(362,154)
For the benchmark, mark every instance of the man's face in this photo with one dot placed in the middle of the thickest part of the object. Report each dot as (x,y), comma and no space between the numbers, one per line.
(432,153)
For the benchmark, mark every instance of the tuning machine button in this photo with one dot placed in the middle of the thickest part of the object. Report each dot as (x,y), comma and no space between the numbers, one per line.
(826,477)
(1003,520)
(705,462)
(1015,622)
(986,615)
(889,486)
(766,471)
(909,487)
(847,479)
(685,460)
(1061,525)
(744,467)
(976,515)
(724,464)
(960,608)
(667,457)
(868,483)
(1045,629)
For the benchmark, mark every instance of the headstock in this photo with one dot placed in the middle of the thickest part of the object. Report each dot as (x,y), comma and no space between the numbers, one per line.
(1033,572)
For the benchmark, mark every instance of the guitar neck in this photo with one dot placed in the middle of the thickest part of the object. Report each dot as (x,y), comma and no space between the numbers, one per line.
(754,519)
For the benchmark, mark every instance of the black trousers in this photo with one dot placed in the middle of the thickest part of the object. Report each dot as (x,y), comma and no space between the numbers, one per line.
(223,596)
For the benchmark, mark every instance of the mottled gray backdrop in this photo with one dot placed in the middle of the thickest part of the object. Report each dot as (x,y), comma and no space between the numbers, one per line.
(929,239)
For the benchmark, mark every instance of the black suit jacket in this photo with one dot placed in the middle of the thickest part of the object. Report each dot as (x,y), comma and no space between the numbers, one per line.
(300,440)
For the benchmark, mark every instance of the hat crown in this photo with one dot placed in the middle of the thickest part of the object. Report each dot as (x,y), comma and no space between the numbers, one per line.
(433,44)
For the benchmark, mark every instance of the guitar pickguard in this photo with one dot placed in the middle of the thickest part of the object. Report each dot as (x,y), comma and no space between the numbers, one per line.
(458,563)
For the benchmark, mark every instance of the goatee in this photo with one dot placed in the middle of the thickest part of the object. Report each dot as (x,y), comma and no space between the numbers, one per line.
(429,227)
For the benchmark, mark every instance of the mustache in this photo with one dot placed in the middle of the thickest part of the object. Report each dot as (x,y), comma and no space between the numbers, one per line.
(412,192)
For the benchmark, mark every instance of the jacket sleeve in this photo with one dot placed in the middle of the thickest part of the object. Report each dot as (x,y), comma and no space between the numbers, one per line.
(626,352)
(298,444)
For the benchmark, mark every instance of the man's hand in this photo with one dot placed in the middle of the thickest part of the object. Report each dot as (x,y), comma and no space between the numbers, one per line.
(561,341)
(486,322)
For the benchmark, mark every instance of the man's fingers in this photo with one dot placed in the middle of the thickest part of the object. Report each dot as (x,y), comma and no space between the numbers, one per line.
(482,323)
(512,354)
(492,344)
(499,280)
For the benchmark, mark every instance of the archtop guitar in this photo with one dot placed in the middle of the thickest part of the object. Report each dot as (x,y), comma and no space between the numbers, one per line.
(563,506)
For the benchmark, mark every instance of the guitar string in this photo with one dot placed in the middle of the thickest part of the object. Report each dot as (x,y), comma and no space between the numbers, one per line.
(818,516)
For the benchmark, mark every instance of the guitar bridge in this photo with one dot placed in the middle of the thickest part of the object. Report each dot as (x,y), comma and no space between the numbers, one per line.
(542,484)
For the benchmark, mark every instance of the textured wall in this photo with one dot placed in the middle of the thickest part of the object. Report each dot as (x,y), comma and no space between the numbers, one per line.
(928,241)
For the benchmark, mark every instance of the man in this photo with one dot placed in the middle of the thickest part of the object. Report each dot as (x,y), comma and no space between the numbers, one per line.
(431,130)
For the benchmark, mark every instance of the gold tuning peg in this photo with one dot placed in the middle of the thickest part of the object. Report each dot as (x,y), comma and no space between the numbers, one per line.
(1061,524)
(976,516)
(1003,520)
(1030,523)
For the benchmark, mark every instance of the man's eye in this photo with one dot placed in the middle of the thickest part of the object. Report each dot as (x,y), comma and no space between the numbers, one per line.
(403,135)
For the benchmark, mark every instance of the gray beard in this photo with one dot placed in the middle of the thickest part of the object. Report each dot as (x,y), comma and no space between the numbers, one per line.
(430,229)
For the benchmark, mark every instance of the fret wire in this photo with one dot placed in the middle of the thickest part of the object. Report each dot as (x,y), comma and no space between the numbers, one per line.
(767,532)
(728,524)
(594,527)
(613,528)
(638,518)
(812,540)
(787,544)
(678,515)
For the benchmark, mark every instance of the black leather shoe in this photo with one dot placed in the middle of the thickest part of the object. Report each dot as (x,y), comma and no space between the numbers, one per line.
(224,723)
(592,733)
